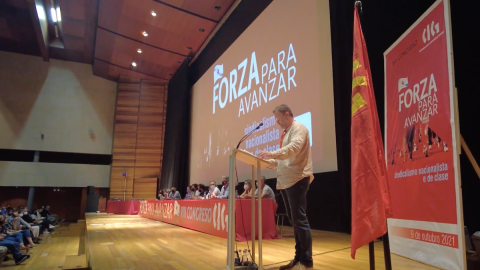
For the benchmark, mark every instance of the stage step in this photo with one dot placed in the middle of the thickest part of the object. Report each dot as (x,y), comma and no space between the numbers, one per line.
(72,230)
(76,262)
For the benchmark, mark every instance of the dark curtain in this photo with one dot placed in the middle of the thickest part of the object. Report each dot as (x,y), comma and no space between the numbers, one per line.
(341,25)
(176,151)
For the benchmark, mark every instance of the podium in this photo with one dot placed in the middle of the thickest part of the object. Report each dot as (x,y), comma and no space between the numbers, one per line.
(258,164)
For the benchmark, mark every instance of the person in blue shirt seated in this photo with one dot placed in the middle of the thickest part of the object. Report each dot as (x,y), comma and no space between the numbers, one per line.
(224,191)
(174,194)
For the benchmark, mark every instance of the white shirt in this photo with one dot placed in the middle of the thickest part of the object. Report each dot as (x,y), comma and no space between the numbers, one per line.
(215,192)
(268,192)
(293,160)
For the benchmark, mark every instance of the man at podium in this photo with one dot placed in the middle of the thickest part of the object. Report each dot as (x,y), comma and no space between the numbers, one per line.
(293,161)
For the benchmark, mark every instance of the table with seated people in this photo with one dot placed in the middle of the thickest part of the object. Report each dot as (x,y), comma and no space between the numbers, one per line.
(211,216)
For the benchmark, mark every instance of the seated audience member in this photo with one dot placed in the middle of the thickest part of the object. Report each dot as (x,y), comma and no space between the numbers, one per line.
(24,228)
(193,192)
(9,234)
(267,192)
(188,195)
(213,190)
(197,192)
(174,194)
(14,248)
(162,194)
(202,190)
(51,217)
(247,187)
(3,253)
(224,191)
(35,228)
(43,222)
(8,209)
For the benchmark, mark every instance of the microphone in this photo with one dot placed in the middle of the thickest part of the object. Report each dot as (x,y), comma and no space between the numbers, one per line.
(250,133)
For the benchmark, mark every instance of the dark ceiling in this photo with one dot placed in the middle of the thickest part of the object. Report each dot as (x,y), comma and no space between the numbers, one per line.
(108,34)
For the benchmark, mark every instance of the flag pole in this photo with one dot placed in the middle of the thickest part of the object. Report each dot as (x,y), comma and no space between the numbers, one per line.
(386,242)
(371,255)
(371,245)
(386,252)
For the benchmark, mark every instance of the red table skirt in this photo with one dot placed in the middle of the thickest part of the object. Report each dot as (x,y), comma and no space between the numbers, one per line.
(211,216)
(123,207)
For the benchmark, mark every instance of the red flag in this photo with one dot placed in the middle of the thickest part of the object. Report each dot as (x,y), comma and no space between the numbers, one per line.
(370,195)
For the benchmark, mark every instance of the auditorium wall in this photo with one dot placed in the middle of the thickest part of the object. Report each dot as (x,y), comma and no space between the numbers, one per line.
(55,107)
(60,99)
(53,174)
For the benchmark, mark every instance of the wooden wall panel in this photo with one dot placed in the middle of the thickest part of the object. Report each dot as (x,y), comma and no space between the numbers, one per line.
(139,133)
(145,188)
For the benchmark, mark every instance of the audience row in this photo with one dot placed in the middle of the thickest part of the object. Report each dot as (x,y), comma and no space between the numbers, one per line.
(20,230)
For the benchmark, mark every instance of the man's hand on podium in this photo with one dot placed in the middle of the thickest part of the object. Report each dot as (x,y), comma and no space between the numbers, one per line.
(265,155)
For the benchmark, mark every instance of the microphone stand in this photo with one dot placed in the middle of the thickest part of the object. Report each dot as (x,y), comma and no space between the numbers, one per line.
(250,133)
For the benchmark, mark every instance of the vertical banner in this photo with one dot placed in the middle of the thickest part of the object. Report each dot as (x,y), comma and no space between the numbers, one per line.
(421,144)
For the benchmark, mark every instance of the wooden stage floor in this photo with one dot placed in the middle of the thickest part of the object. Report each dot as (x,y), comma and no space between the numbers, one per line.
(121,242)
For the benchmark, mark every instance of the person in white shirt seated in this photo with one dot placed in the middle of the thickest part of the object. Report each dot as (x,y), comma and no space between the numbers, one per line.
(224,192)
(267,192)
(213,191)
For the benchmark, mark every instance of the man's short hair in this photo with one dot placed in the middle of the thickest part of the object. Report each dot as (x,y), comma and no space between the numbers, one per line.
(283,108)
(263,178)
(225,177)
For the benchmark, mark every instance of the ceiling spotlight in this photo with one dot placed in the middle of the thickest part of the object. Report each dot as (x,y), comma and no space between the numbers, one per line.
(53,13)
(189,48)
(218,7)
(153,13)
(59,16)
(139,50)
(134,64)
(145,34)
(201,30)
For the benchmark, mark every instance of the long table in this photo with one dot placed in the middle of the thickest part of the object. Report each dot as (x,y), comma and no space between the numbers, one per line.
(123,207)
(211,216)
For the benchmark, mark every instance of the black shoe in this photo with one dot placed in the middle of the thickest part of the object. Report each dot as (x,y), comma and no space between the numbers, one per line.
(290,265)
(306,265)
(22,259)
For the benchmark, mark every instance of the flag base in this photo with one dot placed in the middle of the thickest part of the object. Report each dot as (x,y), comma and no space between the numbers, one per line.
(386,253)
(371,255)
